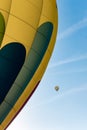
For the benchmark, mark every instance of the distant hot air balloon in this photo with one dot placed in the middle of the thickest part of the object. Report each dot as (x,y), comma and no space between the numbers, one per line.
(28,31)
(56,88)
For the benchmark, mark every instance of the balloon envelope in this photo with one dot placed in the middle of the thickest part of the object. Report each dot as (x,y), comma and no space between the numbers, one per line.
(27,38)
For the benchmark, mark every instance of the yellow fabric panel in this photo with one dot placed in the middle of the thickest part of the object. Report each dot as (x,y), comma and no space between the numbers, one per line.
(48,12)
(53,2)
(28,12)
(22,25)
(37,3)
(48,9)
(43,19)
(19,31)
(1,127)
(5,5)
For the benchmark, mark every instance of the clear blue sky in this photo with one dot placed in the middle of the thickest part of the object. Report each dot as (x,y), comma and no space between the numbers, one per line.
(67,108)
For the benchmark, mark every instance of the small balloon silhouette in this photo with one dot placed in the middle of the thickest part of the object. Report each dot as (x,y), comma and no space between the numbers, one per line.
(56,88)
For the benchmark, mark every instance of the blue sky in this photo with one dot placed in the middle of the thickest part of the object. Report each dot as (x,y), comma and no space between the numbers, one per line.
(67,108)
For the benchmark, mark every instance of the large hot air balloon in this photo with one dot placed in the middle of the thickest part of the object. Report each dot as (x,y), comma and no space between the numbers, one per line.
(28,31)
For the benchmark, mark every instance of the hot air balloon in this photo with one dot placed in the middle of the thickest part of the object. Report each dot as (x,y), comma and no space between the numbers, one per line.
(28,31)
(56,88)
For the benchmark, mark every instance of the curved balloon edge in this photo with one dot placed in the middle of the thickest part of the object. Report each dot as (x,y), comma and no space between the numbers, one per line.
(23,105)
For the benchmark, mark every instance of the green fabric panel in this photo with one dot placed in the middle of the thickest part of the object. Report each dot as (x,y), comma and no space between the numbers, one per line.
(2,27)
(1,37)
(40,44)
(14,94)
(46,30)
(4,109)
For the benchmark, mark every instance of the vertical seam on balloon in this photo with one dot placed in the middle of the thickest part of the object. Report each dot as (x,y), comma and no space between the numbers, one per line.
(9,11)
(39,18)
(40,15)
